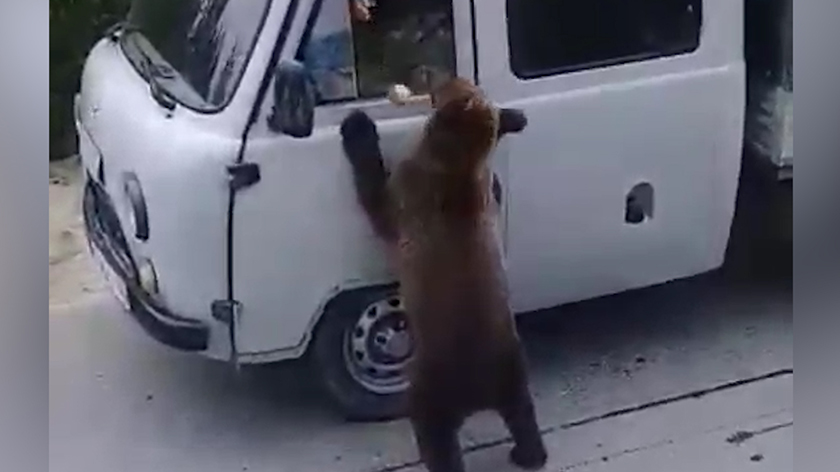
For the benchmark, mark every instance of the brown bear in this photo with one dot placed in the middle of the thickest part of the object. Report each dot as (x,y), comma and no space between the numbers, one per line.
(437,215)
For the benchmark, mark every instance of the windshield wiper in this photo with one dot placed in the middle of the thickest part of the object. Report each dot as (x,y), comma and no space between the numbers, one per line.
(152,73)
(120,29)
(148,69)
(113,31)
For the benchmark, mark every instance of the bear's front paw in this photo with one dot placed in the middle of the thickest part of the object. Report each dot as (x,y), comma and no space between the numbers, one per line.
(529,458)
(358,126)
(360,140)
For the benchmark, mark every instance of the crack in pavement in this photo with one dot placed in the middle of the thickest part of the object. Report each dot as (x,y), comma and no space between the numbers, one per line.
(674,440)
(694,394)
(740,437)
(616,455)
(673,399)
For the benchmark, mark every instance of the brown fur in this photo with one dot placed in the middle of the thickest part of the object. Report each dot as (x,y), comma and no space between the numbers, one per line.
(437,214)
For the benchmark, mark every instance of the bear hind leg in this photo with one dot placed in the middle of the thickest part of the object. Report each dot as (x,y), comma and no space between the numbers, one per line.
(517,411)
(437,442)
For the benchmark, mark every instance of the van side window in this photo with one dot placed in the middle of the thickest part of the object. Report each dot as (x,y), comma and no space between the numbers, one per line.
(555,36)
(405,42)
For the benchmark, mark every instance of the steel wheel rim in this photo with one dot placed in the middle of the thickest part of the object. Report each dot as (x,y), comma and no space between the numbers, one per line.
(377,348)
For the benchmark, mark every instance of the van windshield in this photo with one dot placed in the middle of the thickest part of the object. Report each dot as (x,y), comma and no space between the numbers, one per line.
(195,50)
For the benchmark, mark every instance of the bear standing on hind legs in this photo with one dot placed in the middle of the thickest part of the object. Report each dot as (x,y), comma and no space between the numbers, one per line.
(437,215)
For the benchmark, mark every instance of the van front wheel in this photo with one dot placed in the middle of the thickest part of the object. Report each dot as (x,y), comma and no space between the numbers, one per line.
(362,347)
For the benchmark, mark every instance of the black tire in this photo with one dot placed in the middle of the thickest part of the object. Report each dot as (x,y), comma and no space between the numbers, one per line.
(354,400)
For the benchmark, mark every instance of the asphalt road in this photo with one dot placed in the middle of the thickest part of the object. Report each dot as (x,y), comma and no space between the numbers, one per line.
(690,376)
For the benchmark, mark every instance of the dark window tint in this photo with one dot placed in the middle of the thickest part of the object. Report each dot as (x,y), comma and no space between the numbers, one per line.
(554,36)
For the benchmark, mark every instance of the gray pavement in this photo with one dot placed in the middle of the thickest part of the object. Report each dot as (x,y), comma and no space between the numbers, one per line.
(690,376)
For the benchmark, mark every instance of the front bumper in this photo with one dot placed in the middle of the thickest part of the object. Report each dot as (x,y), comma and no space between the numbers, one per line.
(106,237)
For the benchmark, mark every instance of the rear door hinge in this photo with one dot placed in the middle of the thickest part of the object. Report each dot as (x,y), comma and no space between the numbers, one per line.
(225,311)
(243,175)
(229,312)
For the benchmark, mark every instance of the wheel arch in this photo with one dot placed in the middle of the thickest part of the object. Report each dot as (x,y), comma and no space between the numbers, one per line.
(332,297)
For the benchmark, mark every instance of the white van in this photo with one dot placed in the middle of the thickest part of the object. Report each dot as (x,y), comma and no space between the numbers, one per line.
(222,210)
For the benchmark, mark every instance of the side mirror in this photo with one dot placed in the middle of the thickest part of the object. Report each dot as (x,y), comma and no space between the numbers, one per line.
(295,96)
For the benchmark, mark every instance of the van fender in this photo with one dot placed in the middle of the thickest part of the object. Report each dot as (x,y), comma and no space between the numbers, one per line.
(300,349)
